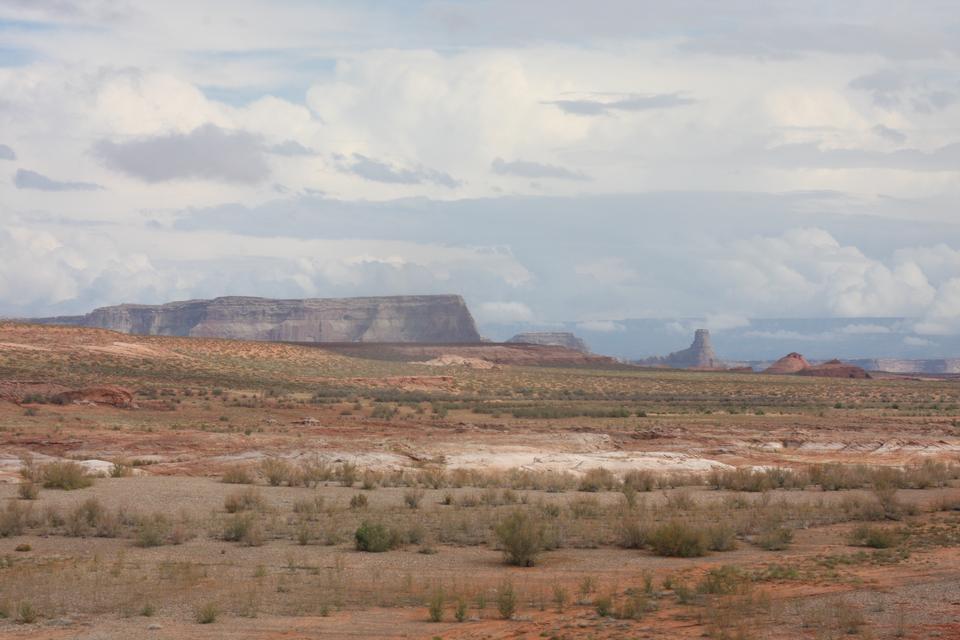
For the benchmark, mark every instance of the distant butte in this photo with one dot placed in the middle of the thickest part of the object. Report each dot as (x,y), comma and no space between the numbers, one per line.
(699,355)
(552,338)
(421,319)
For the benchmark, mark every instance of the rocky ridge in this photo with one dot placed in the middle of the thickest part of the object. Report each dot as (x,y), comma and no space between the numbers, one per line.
(423,319)
(551,338)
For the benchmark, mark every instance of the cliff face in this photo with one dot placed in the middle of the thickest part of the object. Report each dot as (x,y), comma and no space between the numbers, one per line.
(699,355)
(429,319)
(555,338)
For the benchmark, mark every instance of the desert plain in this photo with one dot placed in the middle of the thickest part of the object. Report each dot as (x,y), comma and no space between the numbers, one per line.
(272,490)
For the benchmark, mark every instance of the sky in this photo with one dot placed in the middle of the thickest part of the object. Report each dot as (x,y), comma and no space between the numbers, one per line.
(550,160)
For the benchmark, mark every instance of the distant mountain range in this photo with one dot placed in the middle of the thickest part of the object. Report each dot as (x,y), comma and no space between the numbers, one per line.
(755,340)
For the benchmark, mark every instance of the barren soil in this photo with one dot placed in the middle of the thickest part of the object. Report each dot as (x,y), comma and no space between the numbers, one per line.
(206,407)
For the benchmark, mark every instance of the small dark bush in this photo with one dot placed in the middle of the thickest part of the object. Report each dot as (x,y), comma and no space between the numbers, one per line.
(678,540)
(375,538)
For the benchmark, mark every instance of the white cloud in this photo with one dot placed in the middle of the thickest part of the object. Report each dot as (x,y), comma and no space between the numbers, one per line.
(943,316)
(914,341)
(503,312)
(600,326)
(806,271)
(865,329)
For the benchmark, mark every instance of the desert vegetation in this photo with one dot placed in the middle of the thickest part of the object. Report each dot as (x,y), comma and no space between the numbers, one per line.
(259,483)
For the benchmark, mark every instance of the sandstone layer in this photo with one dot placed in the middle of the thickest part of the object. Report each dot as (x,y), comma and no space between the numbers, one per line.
(554,338)
(425,319)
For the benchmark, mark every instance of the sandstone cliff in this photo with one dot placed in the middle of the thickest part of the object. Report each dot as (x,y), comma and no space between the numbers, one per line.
(426,319)
(699,355)
(554,338)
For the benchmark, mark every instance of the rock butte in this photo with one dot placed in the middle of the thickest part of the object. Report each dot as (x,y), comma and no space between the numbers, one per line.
(699,355)
(554,338)
(790,363)
(424,319)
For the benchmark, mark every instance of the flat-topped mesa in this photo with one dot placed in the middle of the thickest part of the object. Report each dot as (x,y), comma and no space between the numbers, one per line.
(699,355)
(425,319)
(552,338)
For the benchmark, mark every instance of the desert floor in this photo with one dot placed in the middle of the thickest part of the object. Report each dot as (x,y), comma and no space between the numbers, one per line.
(227,502)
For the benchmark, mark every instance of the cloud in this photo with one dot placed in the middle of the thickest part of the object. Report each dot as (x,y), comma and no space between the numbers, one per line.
(865,329)
(6,153)
(600,326)
(890,134)
(628,102)
(503,312)
(54,268)
(725,321)
(811,155)
(925,92)
(783,334)
(914,341)
(380,171)
(291,148)
(527,169)
(205,153)
(807,271)
(26,179)
(942,317)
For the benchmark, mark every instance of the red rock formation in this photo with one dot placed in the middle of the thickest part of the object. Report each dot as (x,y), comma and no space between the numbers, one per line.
(113,396)
(790,363)
(835,369)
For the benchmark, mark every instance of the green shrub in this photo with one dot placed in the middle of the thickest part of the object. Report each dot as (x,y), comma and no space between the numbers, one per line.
(120,470)
(774,538)
(597,479)
(603,606)
(243,528)
(152,531)
(237,474)
(677,539)
(413,497)
(632,533)
(26,613)
(13,520)
(275,471)
(460,612)
(28,490)
(207,613)
(872,536)
(435,606)
(721,537)
(375,538)
(65,475)
(506,601)
(243,500)
(521,537)
(724,580)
